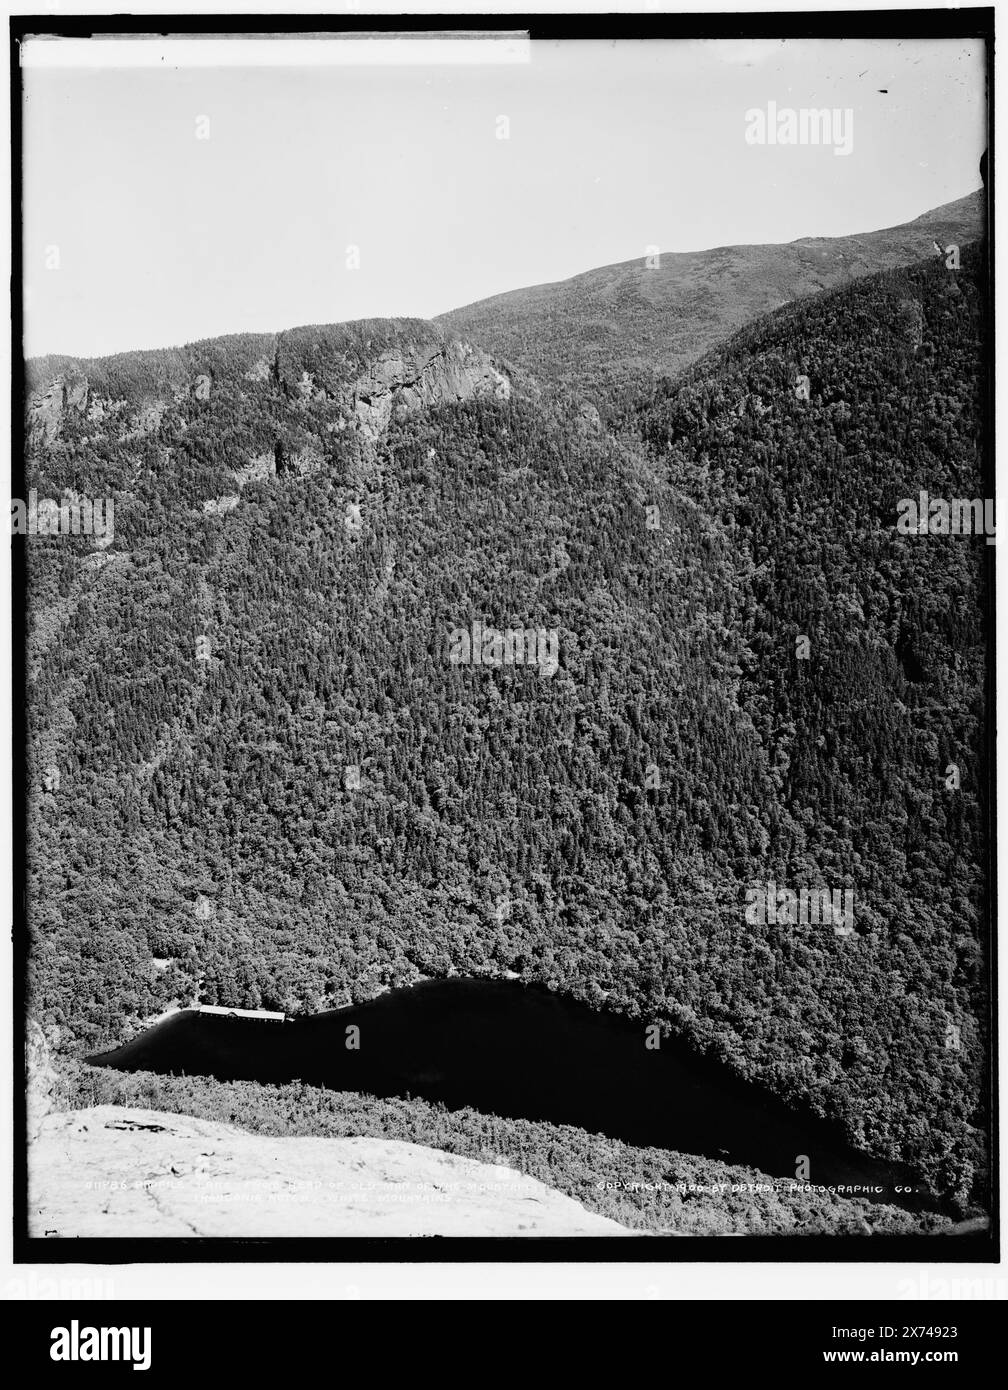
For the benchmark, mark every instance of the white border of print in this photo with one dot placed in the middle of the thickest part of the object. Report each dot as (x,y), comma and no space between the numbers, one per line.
(429,1281)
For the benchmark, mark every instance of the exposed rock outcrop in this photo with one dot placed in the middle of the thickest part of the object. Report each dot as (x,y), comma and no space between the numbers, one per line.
(261,370)
(405,380)
(41,1077)
(217,506)
(257,470)
(111,1171)
(355,377)
(47,408)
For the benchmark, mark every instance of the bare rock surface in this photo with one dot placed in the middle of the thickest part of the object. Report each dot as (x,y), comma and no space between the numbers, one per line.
(422,375)
(46,407)
(257,470)
(114,1171)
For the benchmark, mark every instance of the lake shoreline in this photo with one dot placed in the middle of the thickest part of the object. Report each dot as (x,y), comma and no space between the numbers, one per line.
(521,1051)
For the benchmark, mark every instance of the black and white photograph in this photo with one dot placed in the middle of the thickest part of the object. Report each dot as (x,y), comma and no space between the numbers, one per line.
(503,539)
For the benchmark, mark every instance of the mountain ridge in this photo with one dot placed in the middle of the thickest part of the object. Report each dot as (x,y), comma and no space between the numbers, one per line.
(965,215)
(626,319)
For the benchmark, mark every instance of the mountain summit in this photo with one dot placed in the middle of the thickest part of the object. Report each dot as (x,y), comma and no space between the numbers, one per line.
(619,321)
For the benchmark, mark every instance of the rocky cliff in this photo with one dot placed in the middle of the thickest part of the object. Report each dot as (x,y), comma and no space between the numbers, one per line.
(357,376)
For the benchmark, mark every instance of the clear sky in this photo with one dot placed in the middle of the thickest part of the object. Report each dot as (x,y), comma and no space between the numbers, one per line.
(164,237)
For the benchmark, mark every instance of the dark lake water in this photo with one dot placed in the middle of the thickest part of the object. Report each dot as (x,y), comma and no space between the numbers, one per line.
(519,1051)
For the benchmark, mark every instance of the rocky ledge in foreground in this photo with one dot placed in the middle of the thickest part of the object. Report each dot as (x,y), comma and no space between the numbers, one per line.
(111,1171)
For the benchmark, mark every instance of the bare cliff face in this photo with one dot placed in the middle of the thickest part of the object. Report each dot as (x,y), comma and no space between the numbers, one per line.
(406,381)
(47,407)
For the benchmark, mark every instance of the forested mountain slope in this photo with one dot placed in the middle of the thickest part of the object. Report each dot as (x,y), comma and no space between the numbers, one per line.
(256,772)
(873,732)
(606,327)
